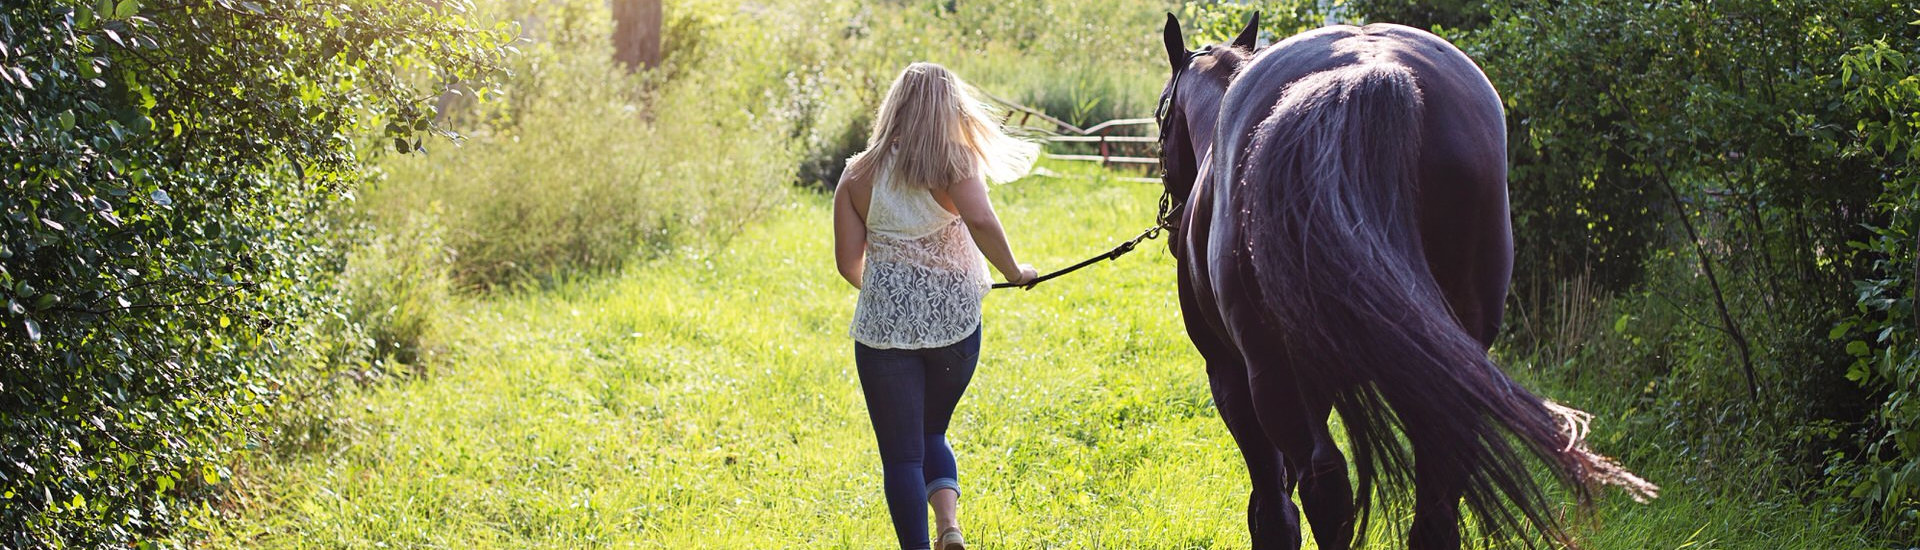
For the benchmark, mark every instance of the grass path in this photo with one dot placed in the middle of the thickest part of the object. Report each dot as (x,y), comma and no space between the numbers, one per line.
(709,401)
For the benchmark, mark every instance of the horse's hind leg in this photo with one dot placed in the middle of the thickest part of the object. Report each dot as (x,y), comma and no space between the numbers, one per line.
(1438,484)
(1324,490)
(1272,519)
(1299,424)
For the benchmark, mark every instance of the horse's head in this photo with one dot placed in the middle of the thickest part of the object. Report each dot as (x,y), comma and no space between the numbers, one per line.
(1191,100)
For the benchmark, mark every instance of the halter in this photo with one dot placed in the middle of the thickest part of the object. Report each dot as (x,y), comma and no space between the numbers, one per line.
(1169,204)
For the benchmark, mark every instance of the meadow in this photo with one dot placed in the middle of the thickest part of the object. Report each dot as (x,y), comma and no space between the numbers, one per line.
(286,274)
(706,399)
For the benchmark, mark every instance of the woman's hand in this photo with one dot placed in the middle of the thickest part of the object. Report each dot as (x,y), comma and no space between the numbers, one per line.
(1027,274)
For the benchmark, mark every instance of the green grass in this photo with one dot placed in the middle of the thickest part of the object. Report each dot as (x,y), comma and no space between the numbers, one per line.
(707,399)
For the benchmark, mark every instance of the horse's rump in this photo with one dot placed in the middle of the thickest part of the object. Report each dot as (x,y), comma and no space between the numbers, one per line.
(1323,202)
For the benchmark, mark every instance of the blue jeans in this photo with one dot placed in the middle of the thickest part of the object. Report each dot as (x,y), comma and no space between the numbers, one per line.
(910,397)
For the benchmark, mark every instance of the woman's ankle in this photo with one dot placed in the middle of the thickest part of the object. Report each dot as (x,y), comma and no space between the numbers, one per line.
(946,509)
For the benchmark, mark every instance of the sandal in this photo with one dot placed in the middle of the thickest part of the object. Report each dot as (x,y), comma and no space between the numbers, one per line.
(950,540)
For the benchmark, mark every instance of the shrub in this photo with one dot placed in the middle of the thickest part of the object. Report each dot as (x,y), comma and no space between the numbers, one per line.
(582,166)
(1880,333)
(163,252)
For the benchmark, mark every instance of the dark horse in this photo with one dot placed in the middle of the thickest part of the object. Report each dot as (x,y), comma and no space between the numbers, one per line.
(1339,214)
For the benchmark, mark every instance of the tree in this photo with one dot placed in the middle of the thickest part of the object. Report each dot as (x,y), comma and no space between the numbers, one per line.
(636,33)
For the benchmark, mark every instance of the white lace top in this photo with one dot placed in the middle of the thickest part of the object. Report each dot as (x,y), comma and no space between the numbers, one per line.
(924,278)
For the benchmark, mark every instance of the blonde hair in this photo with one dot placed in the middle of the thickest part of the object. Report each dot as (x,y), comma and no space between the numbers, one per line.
(936,133)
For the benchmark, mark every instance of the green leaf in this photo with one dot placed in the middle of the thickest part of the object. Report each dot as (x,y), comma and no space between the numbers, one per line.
(66,120)
(33,330)
(401,145)
(160,197)
(1839,330)
(126,8)
(1857,348)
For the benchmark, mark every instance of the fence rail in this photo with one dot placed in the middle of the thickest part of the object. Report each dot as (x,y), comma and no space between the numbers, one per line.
(1099,134)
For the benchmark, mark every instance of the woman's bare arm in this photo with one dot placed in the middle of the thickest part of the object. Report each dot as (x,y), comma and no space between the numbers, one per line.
(970,198)
(849,236)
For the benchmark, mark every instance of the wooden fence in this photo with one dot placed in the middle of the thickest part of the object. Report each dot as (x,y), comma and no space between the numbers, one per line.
(1114,148)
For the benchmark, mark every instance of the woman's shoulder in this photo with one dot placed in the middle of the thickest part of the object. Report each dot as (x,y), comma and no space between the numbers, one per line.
(856,191)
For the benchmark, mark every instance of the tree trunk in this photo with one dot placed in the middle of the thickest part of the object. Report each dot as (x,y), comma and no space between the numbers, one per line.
(636,33)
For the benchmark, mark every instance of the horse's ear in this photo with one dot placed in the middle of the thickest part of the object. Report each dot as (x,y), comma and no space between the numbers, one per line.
(1250,35)
(1176,45)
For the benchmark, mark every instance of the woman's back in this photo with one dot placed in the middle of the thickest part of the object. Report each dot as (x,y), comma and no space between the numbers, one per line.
(902,212)
(924,277)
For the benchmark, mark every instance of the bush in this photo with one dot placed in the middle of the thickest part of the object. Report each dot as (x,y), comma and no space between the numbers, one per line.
(582,166)
(164,260)
(395,294)
(1880,333)
(1425,14)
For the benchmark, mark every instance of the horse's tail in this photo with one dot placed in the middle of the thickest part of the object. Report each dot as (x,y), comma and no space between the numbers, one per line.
(1339,263)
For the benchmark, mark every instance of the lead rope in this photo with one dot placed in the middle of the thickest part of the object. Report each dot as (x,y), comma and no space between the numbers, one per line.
(1164,220)
(1167,208)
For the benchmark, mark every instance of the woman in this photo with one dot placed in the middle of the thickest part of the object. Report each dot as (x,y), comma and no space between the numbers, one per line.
(910,223)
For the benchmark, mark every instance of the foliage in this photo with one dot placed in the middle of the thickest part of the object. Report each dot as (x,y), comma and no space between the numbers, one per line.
(395,295)
(163,248)
(1219,22)
(1880,81)
(397,287)
(1702,167)
(1425,14)
(582,166)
